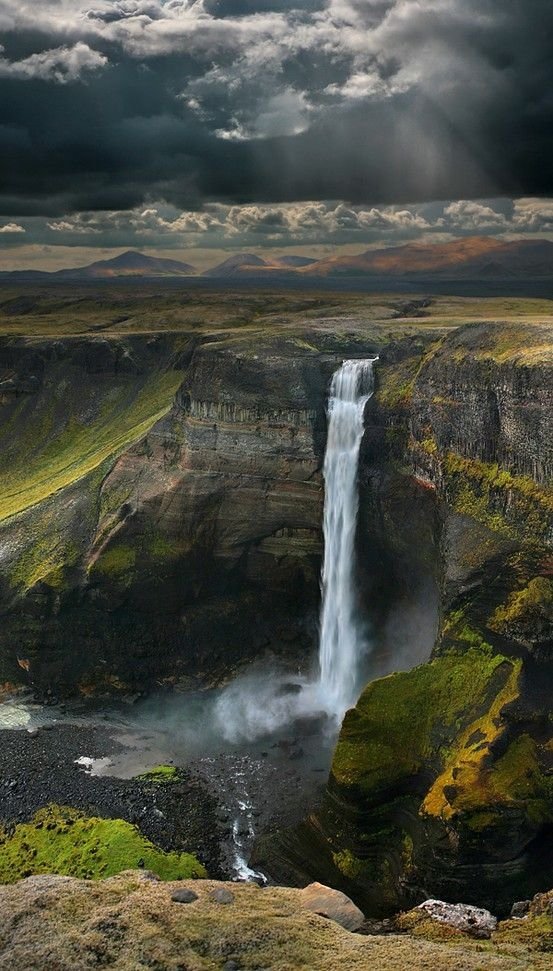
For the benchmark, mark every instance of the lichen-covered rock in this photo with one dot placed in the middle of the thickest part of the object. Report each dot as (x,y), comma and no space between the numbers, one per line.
(474,921)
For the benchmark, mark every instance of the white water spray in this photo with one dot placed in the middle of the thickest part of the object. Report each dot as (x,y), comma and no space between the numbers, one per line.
(341,643)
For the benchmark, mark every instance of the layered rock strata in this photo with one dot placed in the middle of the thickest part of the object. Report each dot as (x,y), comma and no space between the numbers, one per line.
(163,507)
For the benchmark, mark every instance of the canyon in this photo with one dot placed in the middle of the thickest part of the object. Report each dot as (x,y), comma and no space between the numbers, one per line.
(161,522)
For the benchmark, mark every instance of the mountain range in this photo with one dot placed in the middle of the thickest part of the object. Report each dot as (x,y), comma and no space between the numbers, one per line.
(473,257)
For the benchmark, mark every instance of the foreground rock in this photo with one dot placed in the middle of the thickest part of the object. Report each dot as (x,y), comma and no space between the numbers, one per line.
(473,921)
(332,904)
(129,922)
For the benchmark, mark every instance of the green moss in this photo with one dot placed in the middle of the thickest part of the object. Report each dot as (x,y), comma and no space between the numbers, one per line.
(403,721)
(535,933)
(445,718)
(514,506)
(57,443)
(429,446)
(393,391)
(535,598)
(116,561)
(161,775)
(161,548)
(407,847)
(463,785)
(467,635)
(506,340)
(517,778)
(54,551)
(61,840)
(348,864)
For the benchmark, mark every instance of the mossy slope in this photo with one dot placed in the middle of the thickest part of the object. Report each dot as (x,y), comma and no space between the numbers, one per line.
(47,445)
(61,840)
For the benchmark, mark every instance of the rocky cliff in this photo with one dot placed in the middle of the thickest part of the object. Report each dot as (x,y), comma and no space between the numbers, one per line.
(442,779)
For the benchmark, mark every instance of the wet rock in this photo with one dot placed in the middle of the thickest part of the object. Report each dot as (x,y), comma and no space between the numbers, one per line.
(474,921)
(332,904)
(184,896)
(221,896)
(520,908)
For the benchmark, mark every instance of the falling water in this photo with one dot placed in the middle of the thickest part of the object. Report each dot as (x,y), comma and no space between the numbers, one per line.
(341,643)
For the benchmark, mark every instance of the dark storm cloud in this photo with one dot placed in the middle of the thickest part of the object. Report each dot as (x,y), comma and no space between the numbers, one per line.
(107,104)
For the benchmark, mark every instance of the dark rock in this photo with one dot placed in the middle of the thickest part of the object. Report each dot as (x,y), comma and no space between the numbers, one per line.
(520,908)
(221,895)
(184,896)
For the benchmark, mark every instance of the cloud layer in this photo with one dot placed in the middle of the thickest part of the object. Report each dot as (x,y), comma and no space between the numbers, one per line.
(269,226)
(110,104)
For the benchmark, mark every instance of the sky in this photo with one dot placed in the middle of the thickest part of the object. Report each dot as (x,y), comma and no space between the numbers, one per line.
(202,127)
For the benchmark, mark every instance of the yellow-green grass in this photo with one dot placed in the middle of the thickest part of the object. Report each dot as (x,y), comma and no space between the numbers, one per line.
(472,484)
(127,923)
(153,308)
(46,460)
(61,840)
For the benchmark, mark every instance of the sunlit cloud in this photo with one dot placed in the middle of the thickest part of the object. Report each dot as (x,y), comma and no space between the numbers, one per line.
(10,229)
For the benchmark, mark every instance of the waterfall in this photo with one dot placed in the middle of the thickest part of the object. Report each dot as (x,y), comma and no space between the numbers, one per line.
(341,640)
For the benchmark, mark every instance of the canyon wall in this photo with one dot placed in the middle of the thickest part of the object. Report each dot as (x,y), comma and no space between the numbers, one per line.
(162,509)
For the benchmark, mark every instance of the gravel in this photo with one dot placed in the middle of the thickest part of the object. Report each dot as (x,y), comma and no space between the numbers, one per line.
(38,769)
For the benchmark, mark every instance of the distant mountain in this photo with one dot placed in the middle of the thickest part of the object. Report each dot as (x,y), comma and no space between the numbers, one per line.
(295,261)
(129,264)
(251,266)
(473,257)
(236,265)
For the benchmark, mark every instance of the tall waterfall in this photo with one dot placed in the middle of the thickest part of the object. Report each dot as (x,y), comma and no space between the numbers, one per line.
(341,640)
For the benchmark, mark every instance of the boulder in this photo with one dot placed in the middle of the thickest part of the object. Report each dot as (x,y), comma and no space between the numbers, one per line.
(520,909)
(184,896)
(332,904)
(465,918)
(221,895)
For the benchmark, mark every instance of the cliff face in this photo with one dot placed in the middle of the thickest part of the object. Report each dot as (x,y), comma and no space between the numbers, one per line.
(162,516)
(441,782)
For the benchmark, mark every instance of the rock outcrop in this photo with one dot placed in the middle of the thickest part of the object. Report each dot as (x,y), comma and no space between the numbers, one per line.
(333,905)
